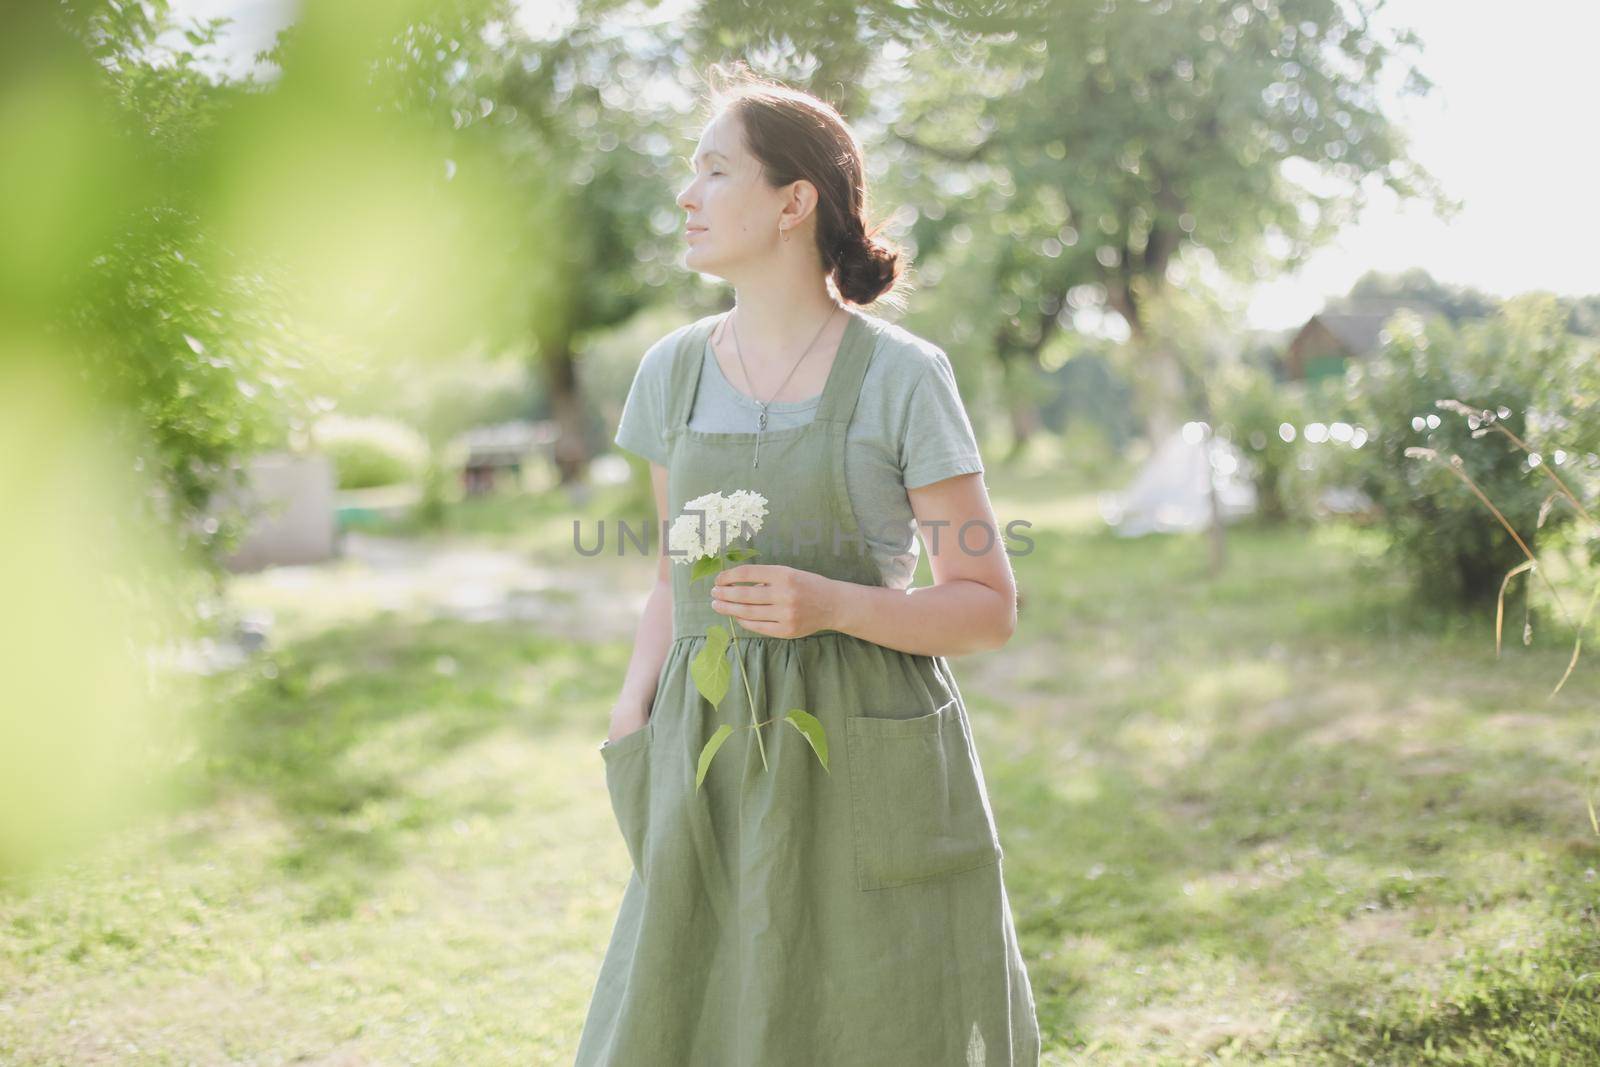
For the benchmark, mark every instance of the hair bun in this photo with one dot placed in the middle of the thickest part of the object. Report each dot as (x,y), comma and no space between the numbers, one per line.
(864,269)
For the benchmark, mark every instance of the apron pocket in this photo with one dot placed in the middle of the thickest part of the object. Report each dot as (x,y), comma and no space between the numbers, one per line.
(916,806)
(627,762)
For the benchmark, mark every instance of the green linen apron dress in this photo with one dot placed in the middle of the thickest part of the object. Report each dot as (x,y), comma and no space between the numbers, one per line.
(792,916)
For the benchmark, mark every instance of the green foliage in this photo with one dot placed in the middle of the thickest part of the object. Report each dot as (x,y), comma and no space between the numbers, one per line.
(370,450)
(709,752)
(433,504)
(1455,302)
(440,398)
(705,567)
(1080,392)
(712,674)
(185,345)
(1541,383)
(1250,409)
(811,729)
(212,253)
(710,669)
(194,364)
(1105,153)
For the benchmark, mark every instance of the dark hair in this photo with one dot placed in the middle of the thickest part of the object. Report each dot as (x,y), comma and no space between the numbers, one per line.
(794,135)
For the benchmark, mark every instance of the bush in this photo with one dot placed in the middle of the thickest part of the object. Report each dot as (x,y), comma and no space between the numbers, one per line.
(1251,410)
(1536,379)
(370,451)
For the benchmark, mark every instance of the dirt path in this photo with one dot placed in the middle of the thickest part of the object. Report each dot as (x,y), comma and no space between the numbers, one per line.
(458,579)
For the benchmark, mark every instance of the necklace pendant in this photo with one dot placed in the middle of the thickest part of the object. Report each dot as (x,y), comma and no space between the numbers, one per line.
(756,462)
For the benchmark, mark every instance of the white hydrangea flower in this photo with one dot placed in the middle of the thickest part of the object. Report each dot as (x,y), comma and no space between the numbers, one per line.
(709,523)
(746,510)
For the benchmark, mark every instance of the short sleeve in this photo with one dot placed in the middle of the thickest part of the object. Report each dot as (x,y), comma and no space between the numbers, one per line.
(938,441)
(642,427)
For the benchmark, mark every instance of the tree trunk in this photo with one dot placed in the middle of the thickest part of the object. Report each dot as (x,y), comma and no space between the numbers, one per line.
(571,449)
(1025,421)
(1160,386)
(1018,362)
(1157,383)
(1216,534)
(1021,409)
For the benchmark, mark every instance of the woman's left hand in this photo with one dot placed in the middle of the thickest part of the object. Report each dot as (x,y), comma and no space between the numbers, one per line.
(787,602)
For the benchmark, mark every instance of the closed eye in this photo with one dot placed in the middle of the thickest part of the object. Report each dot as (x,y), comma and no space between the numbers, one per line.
(689,163)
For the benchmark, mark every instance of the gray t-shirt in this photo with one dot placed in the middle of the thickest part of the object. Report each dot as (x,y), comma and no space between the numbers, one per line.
(909,429)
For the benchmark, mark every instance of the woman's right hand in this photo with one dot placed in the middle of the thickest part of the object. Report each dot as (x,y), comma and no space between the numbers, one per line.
(625,721)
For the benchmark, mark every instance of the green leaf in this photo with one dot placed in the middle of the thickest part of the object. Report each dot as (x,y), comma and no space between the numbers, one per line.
(710,669)
(812,730)
(703,567)
(722,734)
(739,555)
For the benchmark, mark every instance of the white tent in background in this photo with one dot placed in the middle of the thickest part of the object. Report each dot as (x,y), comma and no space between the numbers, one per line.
(1171,494)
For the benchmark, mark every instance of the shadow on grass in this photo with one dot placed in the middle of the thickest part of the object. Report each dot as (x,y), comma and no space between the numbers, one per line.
(1287,776)
(1274,853)
(1537,1002)
(1276,829)
(337,730)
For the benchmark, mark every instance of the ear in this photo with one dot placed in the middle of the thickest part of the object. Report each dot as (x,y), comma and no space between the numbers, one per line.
(800,202)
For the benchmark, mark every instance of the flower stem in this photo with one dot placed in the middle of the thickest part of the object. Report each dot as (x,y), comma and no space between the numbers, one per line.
(733,627)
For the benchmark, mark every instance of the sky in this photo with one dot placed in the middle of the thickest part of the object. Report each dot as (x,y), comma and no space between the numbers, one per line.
(1508,130)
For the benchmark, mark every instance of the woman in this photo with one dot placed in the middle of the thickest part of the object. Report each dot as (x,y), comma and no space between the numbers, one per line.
(784,912)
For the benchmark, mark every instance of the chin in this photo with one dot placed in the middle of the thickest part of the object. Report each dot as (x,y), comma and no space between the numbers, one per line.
(698,260)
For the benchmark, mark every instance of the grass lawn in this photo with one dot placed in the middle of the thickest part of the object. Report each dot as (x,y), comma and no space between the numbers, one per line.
(1263,819)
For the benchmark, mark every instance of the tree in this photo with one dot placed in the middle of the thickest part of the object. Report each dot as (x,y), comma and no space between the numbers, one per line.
(1101,142)
(1455,302)
(179,344)
(593,231)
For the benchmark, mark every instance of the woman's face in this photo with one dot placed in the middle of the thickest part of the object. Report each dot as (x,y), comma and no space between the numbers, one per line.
(731,214)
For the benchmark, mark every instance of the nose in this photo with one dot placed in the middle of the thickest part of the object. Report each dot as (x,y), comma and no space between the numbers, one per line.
(684,201)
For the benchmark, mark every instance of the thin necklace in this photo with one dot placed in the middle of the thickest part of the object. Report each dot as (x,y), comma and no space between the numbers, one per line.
(761,421)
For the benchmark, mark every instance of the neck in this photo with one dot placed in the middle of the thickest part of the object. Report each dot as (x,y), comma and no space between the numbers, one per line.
(775,324)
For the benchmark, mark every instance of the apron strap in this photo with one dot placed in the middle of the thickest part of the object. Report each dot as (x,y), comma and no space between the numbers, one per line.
(849,368)
(686,364)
